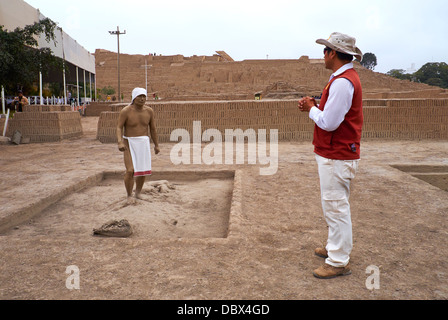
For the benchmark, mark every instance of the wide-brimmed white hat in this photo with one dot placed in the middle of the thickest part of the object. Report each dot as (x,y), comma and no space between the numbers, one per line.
(342,43)
(138,91)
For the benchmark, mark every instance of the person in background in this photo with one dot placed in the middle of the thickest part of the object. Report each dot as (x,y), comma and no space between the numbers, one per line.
(20,101)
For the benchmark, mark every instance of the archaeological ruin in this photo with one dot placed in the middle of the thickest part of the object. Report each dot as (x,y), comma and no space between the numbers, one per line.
(218,77)
(223,230)
(227,94)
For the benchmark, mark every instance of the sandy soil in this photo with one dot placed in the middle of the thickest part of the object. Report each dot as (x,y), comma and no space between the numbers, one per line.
(197,242)
(186,208)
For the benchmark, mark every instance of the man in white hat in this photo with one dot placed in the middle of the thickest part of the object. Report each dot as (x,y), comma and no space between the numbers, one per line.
(337,136)
(135,124)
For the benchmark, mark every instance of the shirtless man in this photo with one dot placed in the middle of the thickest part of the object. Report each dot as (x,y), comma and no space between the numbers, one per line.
(135,120)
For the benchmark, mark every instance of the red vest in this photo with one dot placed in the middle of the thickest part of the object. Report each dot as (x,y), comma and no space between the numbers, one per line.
(344,142)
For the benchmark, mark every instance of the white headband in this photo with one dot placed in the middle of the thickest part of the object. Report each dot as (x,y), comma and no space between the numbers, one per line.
(138,91)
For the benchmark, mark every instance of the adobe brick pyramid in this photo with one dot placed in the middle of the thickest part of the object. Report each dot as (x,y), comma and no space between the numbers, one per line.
(219,77)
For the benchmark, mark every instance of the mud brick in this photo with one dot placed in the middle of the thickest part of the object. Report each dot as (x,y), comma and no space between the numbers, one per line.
(30,108)
(383,119)
(47,126)
(211,76)
(95,108)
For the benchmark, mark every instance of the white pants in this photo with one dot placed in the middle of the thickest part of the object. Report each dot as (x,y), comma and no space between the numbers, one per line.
(335,177)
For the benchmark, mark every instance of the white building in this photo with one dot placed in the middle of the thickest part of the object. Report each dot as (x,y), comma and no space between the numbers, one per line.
(79,62)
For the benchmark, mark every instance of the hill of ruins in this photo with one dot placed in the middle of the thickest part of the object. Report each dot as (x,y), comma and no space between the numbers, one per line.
(219,77)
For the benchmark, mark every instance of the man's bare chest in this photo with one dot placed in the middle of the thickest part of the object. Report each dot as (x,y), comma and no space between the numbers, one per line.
(138,119)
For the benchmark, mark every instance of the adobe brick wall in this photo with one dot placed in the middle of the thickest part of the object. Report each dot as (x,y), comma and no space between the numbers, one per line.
(384,119)
(46,108)
(214,78)
(48,126)
(94,109)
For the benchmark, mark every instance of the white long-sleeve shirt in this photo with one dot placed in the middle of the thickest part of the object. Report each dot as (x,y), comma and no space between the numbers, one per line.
(338,104)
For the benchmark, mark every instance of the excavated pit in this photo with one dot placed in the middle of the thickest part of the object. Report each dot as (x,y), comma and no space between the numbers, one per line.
(434,175)
(187,204)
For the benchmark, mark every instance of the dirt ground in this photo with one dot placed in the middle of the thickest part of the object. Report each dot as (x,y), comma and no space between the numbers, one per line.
(245,236)
(181,210)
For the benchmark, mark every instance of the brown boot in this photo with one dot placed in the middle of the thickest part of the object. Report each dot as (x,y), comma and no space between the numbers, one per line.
(321,252)
(327,271)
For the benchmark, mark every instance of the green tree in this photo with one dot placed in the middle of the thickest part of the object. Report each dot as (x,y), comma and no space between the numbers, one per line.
(433,73)
(399,74)
(104,92)
(108,90)
(21,60)
(56,89)
(369,61)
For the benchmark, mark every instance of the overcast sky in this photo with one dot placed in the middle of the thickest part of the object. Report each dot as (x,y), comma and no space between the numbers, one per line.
(399,32)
